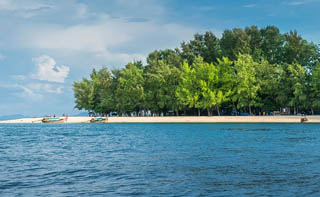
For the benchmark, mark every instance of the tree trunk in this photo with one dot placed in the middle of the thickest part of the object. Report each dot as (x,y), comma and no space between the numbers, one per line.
(294,110)
(250,113)
(312,112)
(209,112)
(234,107)
(218,110)
(199,113)
(177,113)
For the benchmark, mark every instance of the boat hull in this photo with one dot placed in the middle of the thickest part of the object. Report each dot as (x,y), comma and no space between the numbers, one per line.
(98,120)
(46,120)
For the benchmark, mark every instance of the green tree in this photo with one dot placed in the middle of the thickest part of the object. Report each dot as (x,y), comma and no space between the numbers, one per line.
(188,91)
(298,77)
(247,84)
(207,75)
(95,94)
(268,79)
(299,50)
(255,42)
(102,86)
(160,86)
(82,90)
(315,87)
(293,89)
(272,45)
(226,81)
(235,42)
(168,56)
(130,91)
(201,86)
(162,75)
(206,46)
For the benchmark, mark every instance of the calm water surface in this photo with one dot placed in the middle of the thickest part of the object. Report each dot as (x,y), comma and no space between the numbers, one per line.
(159,159)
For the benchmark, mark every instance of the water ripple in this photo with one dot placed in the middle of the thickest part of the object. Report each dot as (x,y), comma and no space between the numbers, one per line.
(160,160)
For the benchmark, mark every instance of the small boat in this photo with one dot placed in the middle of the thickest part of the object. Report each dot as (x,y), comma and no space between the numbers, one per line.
(98,119)
(53,120)
(303,119)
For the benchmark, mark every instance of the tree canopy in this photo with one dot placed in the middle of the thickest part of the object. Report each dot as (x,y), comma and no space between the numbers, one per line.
(246,70)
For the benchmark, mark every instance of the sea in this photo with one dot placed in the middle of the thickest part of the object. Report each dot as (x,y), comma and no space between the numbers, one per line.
(160,159)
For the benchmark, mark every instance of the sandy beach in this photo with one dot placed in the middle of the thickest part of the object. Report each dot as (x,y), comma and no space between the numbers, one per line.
(184,119)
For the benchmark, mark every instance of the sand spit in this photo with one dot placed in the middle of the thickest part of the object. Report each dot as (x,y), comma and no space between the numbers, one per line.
(184,119)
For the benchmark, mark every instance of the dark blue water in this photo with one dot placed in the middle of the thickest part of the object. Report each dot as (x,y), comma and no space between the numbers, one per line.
(159,159)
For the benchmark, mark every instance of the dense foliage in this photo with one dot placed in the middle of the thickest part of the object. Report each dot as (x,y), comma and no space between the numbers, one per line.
(247,70)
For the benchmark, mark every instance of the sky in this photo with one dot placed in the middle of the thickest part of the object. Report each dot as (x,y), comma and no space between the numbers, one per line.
(46,45)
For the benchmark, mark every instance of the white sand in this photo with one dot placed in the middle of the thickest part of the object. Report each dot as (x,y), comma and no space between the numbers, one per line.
(186,119)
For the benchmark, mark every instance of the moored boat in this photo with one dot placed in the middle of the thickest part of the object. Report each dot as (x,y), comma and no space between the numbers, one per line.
(98,119)
(304,119)
(53,120)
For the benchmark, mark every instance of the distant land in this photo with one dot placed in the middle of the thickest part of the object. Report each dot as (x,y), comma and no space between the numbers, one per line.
(14,116)
(20,116)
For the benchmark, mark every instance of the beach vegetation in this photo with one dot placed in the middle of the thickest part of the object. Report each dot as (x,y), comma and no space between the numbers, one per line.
(246,71)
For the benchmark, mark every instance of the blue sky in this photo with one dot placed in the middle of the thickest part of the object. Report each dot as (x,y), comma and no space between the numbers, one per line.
(47,44)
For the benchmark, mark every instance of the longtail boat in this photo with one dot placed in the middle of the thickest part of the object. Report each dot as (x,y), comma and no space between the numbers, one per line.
(98,119)
(54,120)
(304,119)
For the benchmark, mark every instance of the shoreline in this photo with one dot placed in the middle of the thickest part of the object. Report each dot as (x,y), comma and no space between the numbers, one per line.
(183,119)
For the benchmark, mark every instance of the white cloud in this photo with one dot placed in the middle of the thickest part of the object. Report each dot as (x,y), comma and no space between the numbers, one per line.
(26,8)
(19,77)
(302,2)
(92,38)
(45,87)
(25,92)
(103,39)
(14,5)
(48,70)
(112,39)
(33,91)
(28,93)
(295,3)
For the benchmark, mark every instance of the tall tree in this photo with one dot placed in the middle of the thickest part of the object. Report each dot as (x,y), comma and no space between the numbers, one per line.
(162,74)
(235,42)
(188,91)
(292,91)
(298,77)
(315,87)
(299,50)
(268,79)
(102,85)
(272,44)
(207,46)
(130,91)
(207,75)
(226,81)
(255,42)
(82,90)
(161,82)
(247,84)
